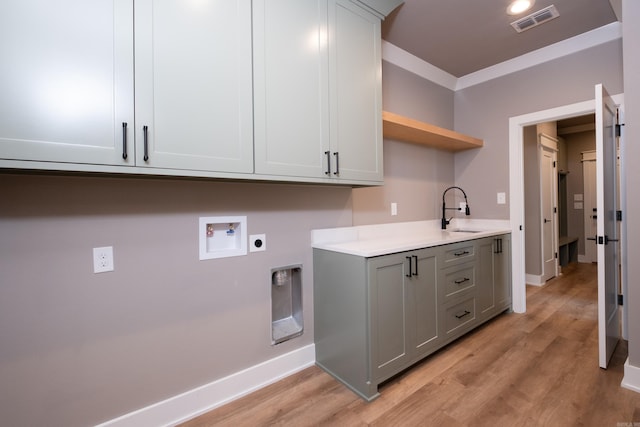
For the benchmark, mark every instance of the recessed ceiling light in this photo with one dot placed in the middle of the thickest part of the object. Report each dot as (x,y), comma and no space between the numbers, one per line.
(518,6)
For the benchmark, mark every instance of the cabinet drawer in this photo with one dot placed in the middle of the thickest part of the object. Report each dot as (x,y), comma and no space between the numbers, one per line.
(458,279)
(460,314)
(458,253)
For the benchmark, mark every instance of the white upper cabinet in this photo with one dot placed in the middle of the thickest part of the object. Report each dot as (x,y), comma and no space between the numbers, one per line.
(194,85)
(66,80)
(317,71)
(286,90)
(291,90)
(356,92)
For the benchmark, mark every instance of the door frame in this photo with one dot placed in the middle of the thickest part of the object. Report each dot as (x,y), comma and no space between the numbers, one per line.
(516,191)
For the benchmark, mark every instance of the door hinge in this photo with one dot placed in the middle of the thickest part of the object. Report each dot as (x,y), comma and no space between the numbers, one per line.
(556,254)
(620,299)
(554,163)
(619,129)
(600,240)
(555,210)
(618,215)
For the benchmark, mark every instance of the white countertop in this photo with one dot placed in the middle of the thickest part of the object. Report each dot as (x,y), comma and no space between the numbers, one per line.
(383,239)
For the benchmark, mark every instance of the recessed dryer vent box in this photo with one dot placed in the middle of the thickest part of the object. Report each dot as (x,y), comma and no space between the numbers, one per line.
(222,236)
(286,303)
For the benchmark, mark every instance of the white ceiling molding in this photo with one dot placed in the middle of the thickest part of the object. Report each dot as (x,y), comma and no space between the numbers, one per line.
(575,44)
(411,63)
(403,59)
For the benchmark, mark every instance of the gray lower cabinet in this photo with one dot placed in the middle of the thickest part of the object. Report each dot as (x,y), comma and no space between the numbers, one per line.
(375,317)
(403,300)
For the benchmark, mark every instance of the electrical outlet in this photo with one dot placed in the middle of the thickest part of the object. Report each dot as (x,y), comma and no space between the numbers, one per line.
(103,259)
(258,243)
(502,198)
(394,208)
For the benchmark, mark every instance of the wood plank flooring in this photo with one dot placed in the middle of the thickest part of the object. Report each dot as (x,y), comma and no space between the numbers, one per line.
(533,369)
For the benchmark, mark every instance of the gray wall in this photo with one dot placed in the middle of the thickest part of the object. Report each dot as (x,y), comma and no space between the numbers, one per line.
(414,175)
(484,110)
(78,348)
(631,36)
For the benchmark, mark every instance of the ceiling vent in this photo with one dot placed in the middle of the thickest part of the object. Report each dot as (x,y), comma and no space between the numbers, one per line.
(535,19)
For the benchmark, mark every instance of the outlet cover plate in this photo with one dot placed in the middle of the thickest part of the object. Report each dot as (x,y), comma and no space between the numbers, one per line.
(257,243)
(103,259)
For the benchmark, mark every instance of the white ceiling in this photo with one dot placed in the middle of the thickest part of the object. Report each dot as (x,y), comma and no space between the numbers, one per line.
(464,36)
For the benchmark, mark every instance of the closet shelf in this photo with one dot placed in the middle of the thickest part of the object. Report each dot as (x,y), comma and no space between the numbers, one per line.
(402,128)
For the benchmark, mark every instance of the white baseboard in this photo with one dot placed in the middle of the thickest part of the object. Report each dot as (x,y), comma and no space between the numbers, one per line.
(533,279)
(195,402)
(631,379)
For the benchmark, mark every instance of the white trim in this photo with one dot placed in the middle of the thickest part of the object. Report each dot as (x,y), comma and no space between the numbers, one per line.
(195,402)
(583,259)
(566,47)
(631,379)
(534,279)
(588,156)
(403,59)
(516,185)
(413,64)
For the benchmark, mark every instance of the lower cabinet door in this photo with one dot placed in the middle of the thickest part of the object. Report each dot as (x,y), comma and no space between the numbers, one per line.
(388,310)
(502,271)
(404,310)
(423,288)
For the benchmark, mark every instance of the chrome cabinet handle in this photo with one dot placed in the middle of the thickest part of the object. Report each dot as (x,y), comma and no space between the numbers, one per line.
(145,131)
(461,281)
(461,253)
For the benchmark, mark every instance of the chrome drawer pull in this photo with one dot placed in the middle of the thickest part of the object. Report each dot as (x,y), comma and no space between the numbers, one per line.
(460,281)
(460,316)
(461,253)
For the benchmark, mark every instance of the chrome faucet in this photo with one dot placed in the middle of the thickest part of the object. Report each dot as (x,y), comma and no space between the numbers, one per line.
(444,207)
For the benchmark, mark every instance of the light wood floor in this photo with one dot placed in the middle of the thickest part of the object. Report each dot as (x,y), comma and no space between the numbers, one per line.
(533,369)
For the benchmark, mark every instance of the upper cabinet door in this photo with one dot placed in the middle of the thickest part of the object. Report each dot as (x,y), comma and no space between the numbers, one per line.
(66,80)
(291,87)
(194,85)
(356,92)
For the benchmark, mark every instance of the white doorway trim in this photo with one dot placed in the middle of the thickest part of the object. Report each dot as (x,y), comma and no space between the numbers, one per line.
(516,186)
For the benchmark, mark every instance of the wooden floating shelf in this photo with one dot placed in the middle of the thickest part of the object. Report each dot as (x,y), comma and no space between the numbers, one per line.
(402,128)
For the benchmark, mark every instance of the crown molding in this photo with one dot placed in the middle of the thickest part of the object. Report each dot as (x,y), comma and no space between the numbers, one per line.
(403,59)
(413,64)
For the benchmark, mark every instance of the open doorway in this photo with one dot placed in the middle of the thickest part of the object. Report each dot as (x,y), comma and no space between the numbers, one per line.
(517,125)
(516,184)
(558,156)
